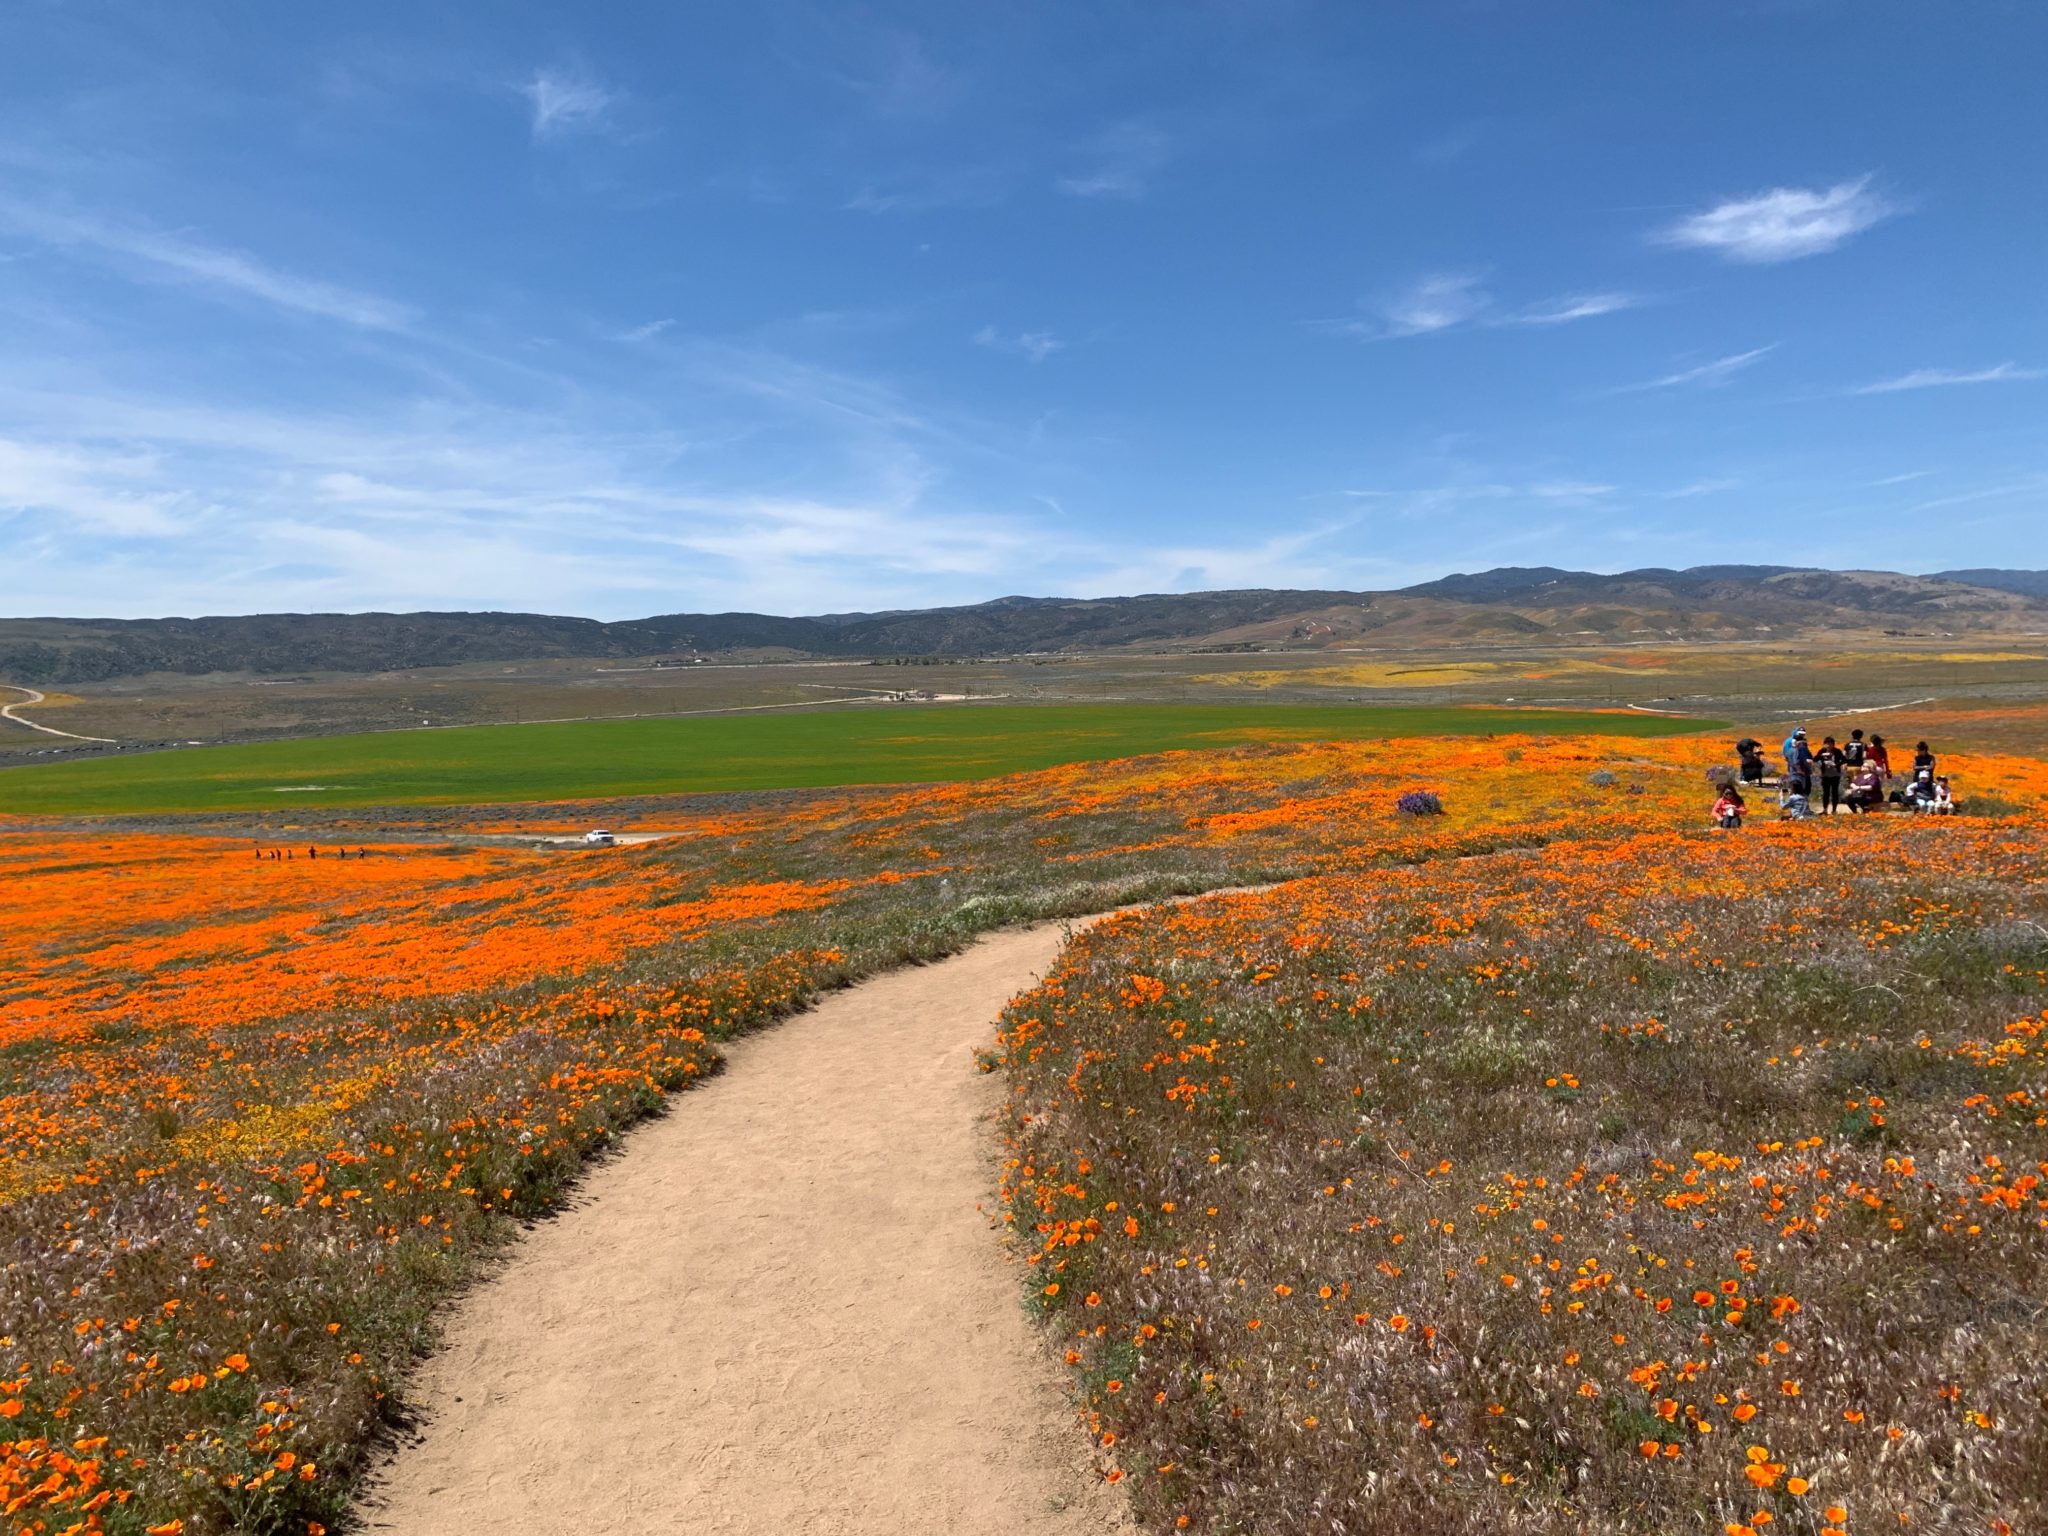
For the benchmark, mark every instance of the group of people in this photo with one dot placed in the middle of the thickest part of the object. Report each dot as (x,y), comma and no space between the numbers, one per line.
(1854,775)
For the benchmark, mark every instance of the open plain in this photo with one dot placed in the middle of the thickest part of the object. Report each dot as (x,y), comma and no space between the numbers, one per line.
(1418,1165)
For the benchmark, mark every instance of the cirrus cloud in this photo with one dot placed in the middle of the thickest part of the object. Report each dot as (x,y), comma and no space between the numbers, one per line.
(1782,224)
(566,100)
(1939,378)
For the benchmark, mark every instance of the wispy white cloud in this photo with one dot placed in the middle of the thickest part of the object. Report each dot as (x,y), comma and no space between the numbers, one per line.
(567,99)
(1123,159)
(962,186)
(1941,378)
(1435,302)
(463,504)
(103,491)
(1708,375)
(1035,345)
(1578,306)
(647,332)
(1442,301)
(906,83)
(1782,224)
(1571,490)
(224,271)
(1909,475)
(1712,486)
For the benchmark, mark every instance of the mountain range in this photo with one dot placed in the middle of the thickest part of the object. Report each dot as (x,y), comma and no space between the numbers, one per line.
(1529,605)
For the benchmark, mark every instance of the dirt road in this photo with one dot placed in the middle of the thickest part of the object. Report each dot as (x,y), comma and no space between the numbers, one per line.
(7,712)
(777,1311)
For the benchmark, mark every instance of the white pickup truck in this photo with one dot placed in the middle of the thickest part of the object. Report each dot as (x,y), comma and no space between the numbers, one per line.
(599,838)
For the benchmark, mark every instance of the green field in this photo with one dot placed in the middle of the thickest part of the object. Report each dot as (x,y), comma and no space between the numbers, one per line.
(598,758)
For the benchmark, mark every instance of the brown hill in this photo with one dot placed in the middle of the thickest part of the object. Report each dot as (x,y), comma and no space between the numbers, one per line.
(1509,605)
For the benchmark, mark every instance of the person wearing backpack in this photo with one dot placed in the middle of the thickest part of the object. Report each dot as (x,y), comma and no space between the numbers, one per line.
(1853,752)
(1827,764)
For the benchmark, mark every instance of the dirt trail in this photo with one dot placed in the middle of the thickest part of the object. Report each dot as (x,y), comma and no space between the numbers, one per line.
(34,696)
(778,1311)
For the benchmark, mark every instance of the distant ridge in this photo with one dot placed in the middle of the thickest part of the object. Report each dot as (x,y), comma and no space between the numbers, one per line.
(1534,604)
(2028,583)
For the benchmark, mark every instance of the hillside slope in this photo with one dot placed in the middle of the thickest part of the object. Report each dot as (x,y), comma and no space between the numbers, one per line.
(1510,604)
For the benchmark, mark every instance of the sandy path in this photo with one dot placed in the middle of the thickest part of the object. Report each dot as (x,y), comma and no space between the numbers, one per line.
(7,712)
(778,1311)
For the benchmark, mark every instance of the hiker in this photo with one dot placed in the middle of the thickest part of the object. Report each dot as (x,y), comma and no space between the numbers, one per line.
(1827,763)
(1854,751)
(1728,810)
(1796,750)
(1866,790)
(1923,759)
(1881,755)
(1750,752)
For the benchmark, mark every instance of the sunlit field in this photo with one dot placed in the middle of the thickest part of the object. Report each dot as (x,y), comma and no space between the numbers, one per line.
(259,1116)
(584,759)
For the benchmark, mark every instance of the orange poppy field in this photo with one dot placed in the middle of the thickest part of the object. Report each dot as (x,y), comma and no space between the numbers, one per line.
(1553,1163)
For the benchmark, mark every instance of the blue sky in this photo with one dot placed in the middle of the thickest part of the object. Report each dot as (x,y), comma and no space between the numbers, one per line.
(632,308)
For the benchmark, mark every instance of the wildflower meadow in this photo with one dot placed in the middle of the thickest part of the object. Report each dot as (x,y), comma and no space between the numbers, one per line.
(1664,1183)
(1533,1159)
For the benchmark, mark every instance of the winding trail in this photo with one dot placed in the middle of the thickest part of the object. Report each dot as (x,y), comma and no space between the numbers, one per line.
(7,712)
(779,1310)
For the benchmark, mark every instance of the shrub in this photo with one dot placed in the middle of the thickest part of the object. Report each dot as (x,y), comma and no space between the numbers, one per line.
(1419,802)
(1600,778)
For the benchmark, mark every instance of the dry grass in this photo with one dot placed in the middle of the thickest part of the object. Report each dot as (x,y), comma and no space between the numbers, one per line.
(1674,1183)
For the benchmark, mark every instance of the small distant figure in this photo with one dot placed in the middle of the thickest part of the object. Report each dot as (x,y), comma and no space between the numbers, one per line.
(1944,801)
(1923,758)
(1827,766)
(1729,809)
(1854,751)
(1881,755)
(1866,790)
(1750,753)
(313,851)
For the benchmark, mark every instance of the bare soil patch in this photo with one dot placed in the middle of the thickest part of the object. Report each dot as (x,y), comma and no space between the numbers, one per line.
(783,1311)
